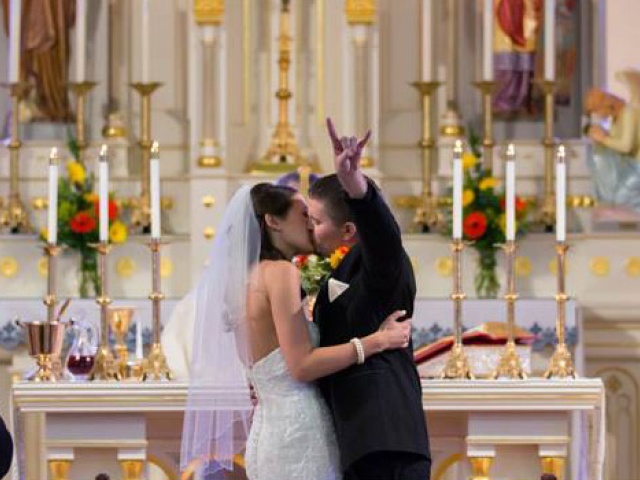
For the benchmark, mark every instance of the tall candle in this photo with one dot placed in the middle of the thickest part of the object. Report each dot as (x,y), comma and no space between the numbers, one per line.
(104,194)
(154,184)
(52,212)
(457,190)
(561,195)
(487,41)
(510,200)
(426,34)
(549,39)
(15,18)
(139,352)
(81,40)
(144,32)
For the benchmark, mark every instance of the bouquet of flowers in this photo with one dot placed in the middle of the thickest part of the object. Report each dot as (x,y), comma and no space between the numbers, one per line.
(78,222)
(315,269)
(484,217)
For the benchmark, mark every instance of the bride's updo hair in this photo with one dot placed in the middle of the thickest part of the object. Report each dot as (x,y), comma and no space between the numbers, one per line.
(269,199)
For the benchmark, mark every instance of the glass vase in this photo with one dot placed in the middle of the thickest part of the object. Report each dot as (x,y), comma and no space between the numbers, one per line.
(89,282)
(486,278)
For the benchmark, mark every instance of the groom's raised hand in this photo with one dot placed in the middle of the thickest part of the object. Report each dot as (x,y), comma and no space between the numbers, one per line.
(347,153)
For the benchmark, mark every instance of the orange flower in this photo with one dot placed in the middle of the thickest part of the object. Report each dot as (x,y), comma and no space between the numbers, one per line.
(337,256)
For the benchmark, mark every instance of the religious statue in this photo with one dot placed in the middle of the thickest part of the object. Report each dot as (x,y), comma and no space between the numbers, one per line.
(45,54)
(615,131)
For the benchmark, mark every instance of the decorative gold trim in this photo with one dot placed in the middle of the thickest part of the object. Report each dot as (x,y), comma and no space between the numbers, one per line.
(163,465)
(132,469)
(166,267)
(59,469)
(9,267)
(125,267)
(480,467)
(360,12)
(166,203)
(208,201)
(113,131)
(366,162)
(599,266)
(553,465)
(43,267)
(39,203)
(208,12)
(407,201)
(523,266)
(452,131)
(209,161)
(444,266)
(443,466)
(209,233)
(632,267)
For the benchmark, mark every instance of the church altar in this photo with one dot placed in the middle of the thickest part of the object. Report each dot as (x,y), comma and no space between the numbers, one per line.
(515,425)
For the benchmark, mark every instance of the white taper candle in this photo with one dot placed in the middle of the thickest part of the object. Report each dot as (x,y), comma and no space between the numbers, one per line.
(154,185)
(15,19)
(426,34)
(561,195)
(139,350)
(81,40)
(549,39)
(103,193)
(487,41)
(145,42)
(52,212)
(457,190)
(510,192)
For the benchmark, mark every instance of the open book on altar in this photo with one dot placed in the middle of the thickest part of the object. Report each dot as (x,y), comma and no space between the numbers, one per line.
(483,345)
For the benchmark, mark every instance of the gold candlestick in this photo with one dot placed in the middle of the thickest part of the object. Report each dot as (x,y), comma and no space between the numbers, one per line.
(427,216)
(548,211)
(103,364)
(457,366)
(283,154)
(80,90)
(141,215)
(156,367)
(561,363)
(14,216)
(50,299)
(487,88)
(509,364)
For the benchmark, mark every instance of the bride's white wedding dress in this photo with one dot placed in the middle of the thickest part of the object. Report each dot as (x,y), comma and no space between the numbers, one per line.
(292,435)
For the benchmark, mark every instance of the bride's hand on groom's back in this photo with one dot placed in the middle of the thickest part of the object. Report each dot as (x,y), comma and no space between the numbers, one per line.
(396,334)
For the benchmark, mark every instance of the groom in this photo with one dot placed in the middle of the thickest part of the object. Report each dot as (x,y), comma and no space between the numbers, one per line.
(376,406)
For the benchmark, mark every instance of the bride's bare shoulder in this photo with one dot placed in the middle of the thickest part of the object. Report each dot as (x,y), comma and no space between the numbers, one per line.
(280,271)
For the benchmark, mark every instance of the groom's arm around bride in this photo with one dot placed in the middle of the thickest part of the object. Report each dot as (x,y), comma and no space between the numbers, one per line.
(377,406)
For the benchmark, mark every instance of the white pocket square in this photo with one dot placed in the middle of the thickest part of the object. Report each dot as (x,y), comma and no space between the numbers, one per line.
(336,288)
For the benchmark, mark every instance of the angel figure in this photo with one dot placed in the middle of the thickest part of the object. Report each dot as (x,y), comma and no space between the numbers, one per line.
(615,162)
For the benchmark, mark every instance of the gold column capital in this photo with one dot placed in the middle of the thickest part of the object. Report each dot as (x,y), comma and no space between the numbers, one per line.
(360,12)
(208,12)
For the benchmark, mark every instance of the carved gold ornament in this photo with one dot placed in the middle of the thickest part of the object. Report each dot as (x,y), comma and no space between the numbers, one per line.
(632,267)
(8,267)
(599,266)
(360,11)
(523,266)
(208,12)
(444,266)
(208,201)
(209,233)
(125,267)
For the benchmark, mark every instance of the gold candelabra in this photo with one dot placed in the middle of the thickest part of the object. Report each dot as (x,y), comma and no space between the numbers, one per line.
(283,154)
(561,363)
(509,365)
(14,216)
(103,366)
(119,321)
(80,90)
(156,367)
(487,88)
(457,366)
(548,211)
(50,299)
(427,215)
(141,215)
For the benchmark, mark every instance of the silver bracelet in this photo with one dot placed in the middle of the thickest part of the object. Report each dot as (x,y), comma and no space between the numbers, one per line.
(359,350)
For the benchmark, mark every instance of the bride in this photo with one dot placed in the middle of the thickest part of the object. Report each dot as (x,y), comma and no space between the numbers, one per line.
(250,328)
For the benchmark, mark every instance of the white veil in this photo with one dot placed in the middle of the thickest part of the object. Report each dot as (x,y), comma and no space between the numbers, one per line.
(216,421)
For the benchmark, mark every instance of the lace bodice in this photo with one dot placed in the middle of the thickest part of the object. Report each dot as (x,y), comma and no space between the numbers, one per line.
(292,433)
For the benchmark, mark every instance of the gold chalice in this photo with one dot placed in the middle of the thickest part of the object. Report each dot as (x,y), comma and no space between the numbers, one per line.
(45,342)
(119,319)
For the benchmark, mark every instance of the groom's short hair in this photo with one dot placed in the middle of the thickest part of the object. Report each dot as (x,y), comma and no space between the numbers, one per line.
(328,190)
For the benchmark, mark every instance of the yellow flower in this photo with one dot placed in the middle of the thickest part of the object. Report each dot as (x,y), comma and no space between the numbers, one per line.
(118,232)
(502,222)
(487,183)
(337,256)
(469,160)
(76,172)
(467,197)
(90,197)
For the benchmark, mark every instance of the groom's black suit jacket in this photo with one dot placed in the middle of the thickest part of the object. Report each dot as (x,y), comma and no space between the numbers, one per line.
(376,406)
(6,449)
